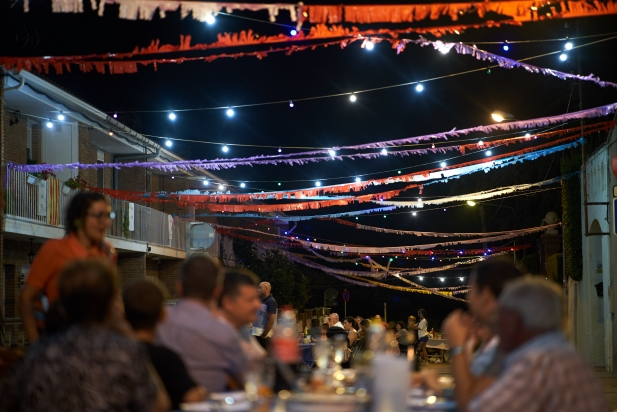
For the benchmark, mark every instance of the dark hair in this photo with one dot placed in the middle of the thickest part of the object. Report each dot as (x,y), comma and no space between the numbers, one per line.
(353,322)
(87,289)
(400,322)
(234,278)
(361,318)
(77,210)
(325,326)
(143,303)
(494,274)
(423,312)
(366,324)
(55,319)
(314,323)
(200,276)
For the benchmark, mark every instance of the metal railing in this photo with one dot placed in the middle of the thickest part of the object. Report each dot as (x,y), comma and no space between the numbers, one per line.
(47,203)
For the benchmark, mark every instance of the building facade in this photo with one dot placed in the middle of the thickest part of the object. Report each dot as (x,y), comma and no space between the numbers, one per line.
(591,301)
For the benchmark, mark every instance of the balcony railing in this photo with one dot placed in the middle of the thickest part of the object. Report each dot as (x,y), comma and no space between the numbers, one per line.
(45,202)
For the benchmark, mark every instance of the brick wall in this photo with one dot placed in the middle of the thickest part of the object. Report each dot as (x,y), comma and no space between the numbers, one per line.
(132,178)
(109,174)
(87,154)
(167,184)
(131,266)
(37,136)
(15,139)
(170,274)
(15,256)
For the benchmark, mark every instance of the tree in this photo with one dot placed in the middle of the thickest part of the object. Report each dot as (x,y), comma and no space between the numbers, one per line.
(289,284)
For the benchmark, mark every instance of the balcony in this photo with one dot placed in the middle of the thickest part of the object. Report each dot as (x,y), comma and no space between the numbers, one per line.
(36,210)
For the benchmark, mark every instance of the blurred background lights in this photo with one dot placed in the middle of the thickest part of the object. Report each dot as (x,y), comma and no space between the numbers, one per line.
(225,149)
(317,183)
(353,97)
(419,87)
(60,116)
(568,46)
(230,112)
(331,152)
(563,57)
(384,151)
(506,47)
(205,182)
(221,187)
(49,124)
(488,153)
(242,184)
(293,32)
(358,180)
(291,104)
(369,45)
(168,143)
(172,116)
(210,19)
(443,164)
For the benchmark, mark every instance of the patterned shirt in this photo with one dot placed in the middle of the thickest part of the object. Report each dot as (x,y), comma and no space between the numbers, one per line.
(544,374)
(82,369)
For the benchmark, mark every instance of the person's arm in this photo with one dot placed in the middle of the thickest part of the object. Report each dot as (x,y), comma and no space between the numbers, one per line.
(271,311)
(26,309)
(352,338)
(195,394)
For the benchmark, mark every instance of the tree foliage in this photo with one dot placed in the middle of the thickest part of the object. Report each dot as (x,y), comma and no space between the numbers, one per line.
(289,283)
(571,204)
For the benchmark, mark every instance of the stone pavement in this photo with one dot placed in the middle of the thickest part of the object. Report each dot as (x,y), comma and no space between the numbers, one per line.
(607,380)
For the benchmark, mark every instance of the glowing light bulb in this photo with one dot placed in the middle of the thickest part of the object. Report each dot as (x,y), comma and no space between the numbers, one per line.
(210,19)
(442,279)
(49,124)
(488,153)
(506,47)
(369,45)
(433,146)
(358,180)
(471,203)
(291,104)
(205,182)
(225,149)
(293,32)
(480,143)
(331,152)
(279,184)
(221,187)
(110,133)
(568,46)
(563,57)
(243,185)
(444,50)
(172,116)
(420,277)
(414,213)
(61,117)
(443,164)
(230,112)
(280,150)
(168,143)
(384,152)
(317,183)
(462,279)
(419,87)
(527,135)
(115,115)
(352,97)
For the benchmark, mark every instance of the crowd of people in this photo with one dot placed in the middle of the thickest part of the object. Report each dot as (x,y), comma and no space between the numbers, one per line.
(100,350)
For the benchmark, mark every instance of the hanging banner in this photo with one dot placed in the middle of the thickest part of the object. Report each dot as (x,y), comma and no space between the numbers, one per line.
(41,209)
(131,217)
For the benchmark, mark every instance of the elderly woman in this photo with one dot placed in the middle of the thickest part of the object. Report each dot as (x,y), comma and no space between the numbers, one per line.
(87,219)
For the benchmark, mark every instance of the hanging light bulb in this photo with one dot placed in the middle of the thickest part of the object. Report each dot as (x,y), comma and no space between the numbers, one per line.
(358,180)
(471,203)
(443,164)
(221,187)
(110,133)
(205,182)
(225,149)
(318,183)
(527,135)
(488,153)
(480,143)
(568,46)
(352,97)
(168,143)
(420,277)
(384,152)
(419,87)
(442,279)
(369,45)
(115,115)
(61,116)
(291,104)
(331,152)
(506,47)
(172,116)
(242,185)
(210,19)
(563,57)
(49,124)
(433,146)
(462,279)
(293,32)
(230,112)
(414,213)
(280,150)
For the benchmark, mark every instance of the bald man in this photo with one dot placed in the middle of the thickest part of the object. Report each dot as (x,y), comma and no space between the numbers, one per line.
(266,315)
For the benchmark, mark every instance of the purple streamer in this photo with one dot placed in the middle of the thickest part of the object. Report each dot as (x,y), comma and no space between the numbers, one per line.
(219,164)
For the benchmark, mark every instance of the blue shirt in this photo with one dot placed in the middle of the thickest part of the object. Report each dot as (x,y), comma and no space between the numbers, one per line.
(268,307)
(209,348)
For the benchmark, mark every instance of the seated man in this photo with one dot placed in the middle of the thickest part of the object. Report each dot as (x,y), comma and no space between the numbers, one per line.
(85,367)
(314,331)
(209,347)
(143,307)
(542,371)
(336,327)
(239,304)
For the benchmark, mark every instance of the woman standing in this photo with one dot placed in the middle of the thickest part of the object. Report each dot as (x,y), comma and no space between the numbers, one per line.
(350,325)
(87,219)
(422,337)
(402,337)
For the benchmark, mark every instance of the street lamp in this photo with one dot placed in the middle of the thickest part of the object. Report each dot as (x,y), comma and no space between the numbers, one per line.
(31,255)
(500,116)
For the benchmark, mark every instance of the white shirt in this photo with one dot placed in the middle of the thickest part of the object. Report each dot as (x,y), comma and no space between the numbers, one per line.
(339,324)
(422,326)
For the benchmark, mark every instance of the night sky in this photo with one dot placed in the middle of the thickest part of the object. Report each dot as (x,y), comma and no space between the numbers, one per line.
(456,102)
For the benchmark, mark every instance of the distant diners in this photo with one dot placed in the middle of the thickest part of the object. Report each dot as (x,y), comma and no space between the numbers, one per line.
(87,218)
(423,336)
(143,306)
(209,348)
(314,331)
(400,334)
(542,371)
(85,367)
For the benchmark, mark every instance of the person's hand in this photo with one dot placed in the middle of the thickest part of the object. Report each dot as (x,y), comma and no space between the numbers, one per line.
(457,327)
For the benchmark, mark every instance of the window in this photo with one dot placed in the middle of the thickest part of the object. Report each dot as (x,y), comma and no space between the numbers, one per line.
(100,173)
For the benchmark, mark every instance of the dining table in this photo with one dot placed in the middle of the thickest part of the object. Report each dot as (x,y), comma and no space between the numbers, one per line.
(443,345)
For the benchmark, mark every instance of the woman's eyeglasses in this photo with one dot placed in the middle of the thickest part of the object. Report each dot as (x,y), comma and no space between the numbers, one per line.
(103,215)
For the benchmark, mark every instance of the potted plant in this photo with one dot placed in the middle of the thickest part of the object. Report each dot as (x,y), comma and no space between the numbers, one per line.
(74,183)
(34,177)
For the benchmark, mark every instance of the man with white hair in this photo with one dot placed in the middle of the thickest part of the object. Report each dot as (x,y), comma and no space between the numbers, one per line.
(541,371)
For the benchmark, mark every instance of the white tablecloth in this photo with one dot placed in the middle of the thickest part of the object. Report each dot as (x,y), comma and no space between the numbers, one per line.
(438,344)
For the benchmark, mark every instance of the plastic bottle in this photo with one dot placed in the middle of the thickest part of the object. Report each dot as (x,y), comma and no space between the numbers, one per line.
(284,342)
